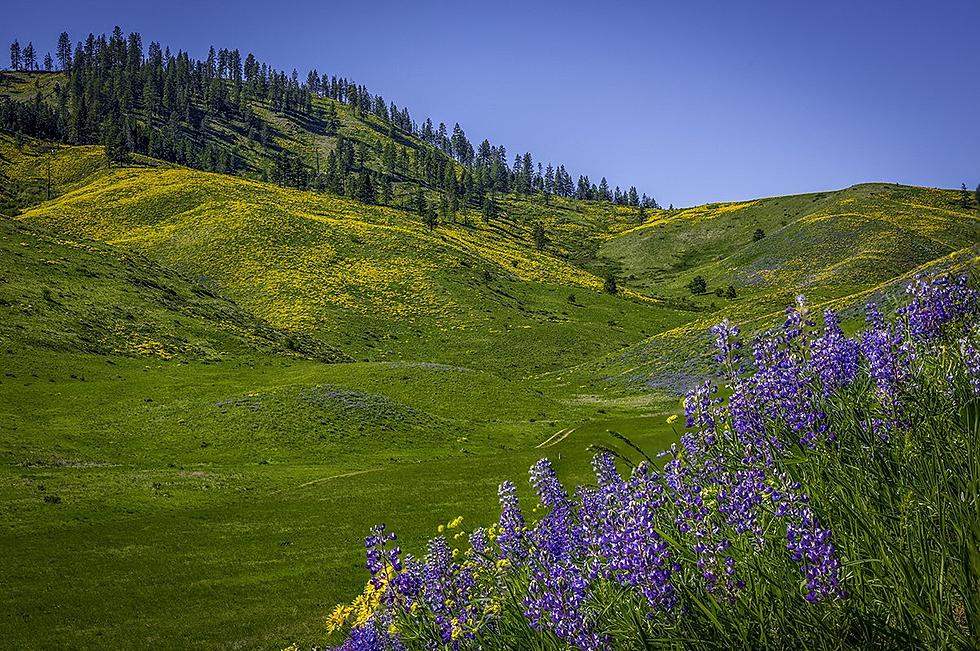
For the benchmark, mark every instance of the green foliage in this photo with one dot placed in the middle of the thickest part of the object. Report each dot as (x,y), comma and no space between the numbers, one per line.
(540,239)
(697,285)
(609,286)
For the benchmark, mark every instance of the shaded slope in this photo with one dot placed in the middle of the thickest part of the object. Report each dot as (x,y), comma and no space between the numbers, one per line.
(67,295)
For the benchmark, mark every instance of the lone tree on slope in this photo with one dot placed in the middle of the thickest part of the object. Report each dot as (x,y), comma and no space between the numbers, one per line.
(540,240)
(698,285)
(114,143)
(431,218)
(610,285)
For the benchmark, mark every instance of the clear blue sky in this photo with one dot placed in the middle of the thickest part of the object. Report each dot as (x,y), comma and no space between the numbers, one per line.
(691,101)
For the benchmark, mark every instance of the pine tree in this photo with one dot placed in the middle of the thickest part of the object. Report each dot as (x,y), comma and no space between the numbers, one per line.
(633,198)
(698,285)
(364,189)
(730,293)
(113,142)
(964,196)
(48,62)
(28,57)
(604,194)
(64,51)
(431,217)
(15,56)
(540,240)
(386,190)
(610,284)
(444,207)
(332,121)
(756,236)
(489,209)
(527,173)
(419,201)
(977,194)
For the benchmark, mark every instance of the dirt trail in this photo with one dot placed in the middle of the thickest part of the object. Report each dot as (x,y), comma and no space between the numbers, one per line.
(556,438)
(323,479)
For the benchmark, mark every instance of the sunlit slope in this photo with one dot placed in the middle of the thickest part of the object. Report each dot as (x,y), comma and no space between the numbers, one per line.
(371,280)
(669,363)
(863,235)
(64,295)
(30,169)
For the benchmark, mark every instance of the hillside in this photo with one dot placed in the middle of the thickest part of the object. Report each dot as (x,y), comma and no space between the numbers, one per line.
(862,235)
(75,296)
(215,381)
(370,280)
(841,249)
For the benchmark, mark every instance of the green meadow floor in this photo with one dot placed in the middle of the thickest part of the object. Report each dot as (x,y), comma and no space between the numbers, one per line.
(173,505)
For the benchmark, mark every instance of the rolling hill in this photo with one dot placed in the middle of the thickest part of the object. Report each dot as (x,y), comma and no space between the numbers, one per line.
(212,381)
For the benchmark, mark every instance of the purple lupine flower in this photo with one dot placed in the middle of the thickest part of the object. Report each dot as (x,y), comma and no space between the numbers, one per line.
(740,501)
(409,583)
(512,539)
(727,343)
(780,384)
(640,557)
(700,408)
(554,531)
(557,602)
(807,541)
(834,358)
(372,635)
(937,302)
(797,319)
(379,556)
(889,361)
(446,590)
(437,573)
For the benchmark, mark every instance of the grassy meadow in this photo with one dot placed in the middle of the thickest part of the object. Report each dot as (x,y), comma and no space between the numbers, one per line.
(212,385)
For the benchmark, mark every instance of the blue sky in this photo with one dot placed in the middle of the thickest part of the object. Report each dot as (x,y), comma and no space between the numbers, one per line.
(691,101)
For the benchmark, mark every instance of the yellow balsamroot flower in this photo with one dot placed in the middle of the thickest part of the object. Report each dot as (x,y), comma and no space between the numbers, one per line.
(337,618)
(456,522)
(502,563)
(441,528)
(493,531)
(363,606)
(672,418)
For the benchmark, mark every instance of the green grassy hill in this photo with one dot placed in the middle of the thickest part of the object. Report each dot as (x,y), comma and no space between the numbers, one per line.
(863,235)
(185,463)
(842,249)
(370,280)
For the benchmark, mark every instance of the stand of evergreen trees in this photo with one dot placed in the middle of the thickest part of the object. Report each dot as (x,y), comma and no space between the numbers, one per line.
(165,104)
